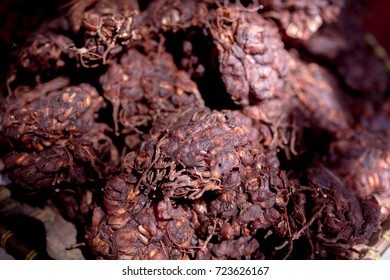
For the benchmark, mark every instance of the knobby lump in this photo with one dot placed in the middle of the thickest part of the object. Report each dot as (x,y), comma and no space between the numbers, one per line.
(203,129)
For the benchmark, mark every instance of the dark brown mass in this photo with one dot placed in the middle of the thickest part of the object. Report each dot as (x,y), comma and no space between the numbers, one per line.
(252,58)
(141,88)
(203,129)
(183,192)
(54,137)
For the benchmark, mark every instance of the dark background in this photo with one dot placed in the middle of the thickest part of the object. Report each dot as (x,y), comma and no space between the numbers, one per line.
(18,18)
(378,21)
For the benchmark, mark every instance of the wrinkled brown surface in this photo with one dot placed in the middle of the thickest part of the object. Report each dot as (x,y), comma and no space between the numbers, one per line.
(312,99)
(301,19)
(174,15)
(252,59)
(361,157)
(87,34)
(363,160)
(142,88)
(44,51)
(106,27)
(323,102)
(54,135)
(44,55)
(50,113)
(219,190)
(240,130)
(204,164)
(329,218)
